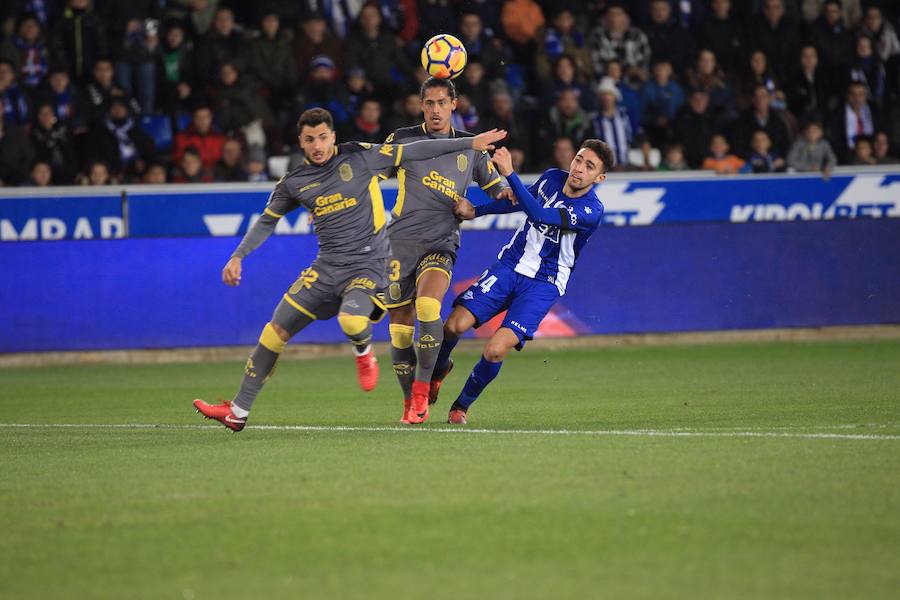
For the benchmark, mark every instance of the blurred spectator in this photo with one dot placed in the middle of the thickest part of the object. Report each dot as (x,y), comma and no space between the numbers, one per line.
(59,92)
(565,119)
(882,34)
(563,37)
(434,16)
(190,168)
(313,40)
(723,34)
(759,73)
(563,153)
(155,174)
(832,38)
(778,35)
(465,116)
(694,127)
(479,47)
(852,118)
(240,108)
(863,153)
(522,20)
(721,160)
(673,159)
(136,61)
(15,102)
(502,115)
(812,152)
(762,159)
(661,99)
(761,116)
(97,173)
(630,97)
(222,43)
(707,76)
(687,13)
(79,39)
(611,123)
(40,175)
(272,61)
(473,84)
(366,125)
(616,39)
(323,90)
(810,95)
(175,76)
(53,144)
(230,168)
(27,51)
(201,15)
(566,77)
(852,11)
(16,153)
(376,52)
(518,157)
(882,147)
(119,142)
(409,113)
(668,38)
(201,135)
(358,89)
(868,70)
(101,90)
(256,165)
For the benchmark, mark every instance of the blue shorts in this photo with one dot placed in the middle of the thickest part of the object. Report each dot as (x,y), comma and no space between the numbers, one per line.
(526,300)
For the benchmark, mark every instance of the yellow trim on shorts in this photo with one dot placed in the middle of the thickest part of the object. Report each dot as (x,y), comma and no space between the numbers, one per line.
(299,308)
(377,204)
(399,304)
(491,184)
(401,192)
(272,213)
(425,270)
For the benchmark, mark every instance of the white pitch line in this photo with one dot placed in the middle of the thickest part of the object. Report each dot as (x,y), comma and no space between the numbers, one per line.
(464,431)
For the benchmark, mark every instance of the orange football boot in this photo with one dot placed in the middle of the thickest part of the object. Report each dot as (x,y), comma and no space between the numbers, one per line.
(221,413)
(418,412)
(367,370)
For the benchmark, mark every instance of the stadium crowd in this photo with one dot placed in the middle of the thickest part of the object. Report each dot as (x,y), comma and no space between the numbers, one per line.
(155,91)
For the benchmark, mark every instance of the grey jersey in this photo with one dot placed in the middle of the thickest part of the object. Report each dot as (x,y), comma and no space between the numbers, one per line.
(428,189)
(343,198)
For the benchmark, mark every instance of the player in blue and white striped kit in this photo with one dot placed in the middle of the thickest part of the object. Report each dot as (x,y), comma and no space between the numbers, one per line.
(532,270)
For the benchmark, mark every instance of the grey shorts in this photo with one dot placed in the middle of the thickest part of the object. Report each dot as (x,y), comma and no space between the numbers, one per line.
(319,289)
(409,260)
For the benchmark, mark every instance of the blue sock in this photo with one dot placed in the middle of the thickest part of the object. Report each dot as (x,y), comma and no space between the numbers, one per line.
(443,357)
(483,373)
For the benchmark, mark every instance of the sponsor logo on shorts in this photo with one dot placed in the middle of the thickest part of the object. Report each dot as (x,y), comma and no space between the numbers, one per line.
(518,326)
(468,295)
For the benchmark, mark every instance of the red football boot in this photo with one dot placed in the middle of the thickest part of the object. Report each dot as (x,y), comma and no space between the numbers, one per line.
(436,381)
(418,412)
(221,413)
(407,406)
(367,370)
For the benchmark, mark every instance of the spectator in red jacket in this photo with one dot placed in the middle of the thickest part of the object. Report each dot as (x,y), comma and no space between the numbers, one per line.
(201,135)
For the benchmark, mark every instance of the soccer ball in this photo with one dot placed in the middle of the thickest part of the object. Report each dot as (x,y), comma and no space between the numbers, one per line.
(444,56)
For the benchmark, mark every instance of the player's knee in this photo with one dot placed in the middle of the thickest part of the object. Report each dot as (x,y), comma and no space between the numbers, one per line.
(402,315)
(428,309)
(401,335)
(353,324)
(274,337)
(496,350)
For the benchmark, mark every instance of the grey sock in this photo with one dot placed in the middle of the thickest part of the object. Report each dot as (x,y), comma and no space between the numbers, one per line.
(404,360)
(259,369)
(428,345)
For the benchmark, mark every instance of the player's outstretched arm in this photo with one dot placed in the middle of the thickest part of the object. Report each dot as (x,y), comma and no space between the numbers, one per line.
(533,208)
(430,148)
(253,239)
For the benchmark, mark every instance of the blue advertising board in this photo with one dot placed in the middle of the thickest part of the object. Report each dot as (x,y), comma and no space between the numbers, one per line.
(229,209)
(158,293)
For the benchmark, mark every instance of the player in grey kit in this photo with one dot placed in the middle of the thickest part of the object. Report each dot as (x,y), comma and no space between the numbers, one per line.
(424,235)
(338,184)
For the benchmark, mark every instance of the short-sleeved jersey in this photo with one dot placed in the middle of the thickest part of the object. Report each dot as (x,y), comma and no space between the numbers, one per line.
(428,189)
(547,252)
(343,199)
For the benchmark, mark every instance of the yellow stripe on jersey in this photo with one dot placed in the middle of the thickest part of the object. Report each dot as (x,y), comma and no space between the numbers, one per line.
(290,301)
(401,192)
(377,204)
(272,213)
(399,154)
(491,184)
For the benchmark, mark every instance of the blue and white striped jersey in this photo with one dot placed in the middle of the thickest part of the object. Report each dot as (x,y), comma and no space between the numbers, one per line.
(547,252)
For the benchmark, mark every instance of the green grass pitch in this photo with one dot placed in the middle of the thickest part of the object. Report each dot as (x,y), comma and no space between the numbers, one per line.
(754,470)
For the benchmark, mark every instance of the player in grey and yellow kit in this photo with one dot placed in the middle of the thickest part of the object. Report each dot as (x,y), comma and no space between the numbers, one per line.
(338,184)
(424,235)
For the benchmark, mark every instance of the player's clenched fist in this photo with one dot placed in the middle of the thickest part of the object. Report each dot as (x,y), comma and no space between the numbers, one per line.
(231,274)
(503,159)
(464,210)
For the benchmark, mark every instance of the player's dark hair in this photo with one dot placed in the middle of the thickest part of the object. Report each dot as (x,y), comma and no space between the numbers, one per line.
(313,117)
(603,151)
(434,82)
